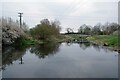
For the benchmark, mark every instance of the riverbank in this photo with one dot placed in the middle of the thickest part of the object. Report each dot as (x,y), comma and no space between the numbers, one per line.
(29,41)
(110,41)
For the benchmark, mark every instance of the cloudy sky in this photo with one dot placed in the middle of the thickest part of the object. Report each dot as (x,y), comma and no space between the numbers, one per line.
(71,13)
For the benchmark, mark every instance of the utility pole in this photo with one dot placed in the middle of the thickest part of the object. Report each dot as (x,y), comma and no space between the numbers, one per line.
(20,15)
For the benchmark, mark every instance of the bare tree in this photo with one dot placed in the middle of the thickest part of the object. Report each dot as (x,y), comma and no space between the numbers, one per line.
(69,30)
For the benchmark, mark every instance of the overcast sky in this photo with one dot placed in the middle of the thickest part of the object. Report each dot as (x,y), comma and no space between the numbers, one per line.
(71,13)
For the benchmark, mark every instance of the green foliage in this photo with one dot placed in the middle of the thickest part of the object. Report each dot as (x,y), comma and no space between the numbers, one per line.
(85,29)
(23,41)
(46,30)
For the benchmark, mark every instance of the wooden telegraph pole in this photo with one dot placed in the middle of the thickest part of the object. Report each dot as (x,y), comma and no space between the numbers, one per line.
(20,15)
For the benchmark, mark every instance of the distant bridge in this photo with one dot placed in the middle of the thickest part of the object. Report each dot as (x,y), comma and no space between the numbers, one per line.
(75,34)
(77,37)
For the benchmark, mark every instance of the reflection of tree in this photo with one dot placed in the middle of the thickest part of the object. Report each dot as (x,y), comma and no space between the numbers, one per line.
(84,45)
(97,47)
(106,49)
(45,49)
(69,43)
(11,54)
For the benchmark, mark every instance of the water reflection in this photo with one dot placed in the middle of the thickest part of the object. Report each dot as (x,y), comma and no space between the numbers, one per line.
(84,45)
(44,50)
(68,44)
(81,45)
(71,60)
(11,54)
(96,46)
(99,48)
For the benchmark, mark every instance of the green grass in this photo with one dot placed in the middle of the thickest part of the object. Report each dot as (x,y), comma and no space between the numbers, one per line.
(110,40)
(26,42)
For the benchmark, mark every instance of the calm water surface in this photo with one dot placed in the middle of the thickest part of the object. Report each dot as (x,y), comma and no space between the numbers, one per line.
(66,60)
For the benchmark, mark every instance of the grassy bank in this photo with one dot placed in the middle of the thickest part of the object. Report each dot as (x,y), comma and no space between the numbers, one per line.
(112,41)
(27,41)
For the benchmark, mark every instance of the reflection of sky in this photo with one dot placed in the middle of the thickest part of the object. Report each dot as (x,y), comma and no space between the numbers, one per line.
(71,62)
(72,13)
(119,66)
(0,74)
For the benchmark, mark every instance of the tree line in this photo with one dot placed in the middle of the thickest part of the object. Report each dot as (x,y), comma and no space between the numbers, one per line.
(48,30)
(45,31)
(99,29)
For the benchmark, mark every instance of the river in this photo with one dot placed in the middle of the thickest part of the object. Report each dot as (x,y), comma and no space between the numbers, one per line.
(63,60)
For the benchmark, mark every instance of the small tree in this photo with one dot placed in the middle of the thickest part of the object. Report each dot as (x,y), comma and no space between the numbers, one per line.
(69,30)
(87,30)
(81,29)
(46,30)
(96,30)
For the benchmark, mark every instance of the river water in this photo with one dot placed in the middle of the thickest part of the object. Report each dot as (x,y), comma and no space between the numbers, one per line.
(63,60)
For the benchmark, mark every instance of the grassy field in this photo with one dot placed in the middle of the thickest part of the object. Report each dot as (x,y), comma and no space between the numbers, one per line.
(106,40)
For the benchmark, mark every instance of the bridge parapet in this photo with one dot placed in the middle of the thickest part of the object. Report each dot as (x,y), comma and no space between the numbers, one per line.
(76,34)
